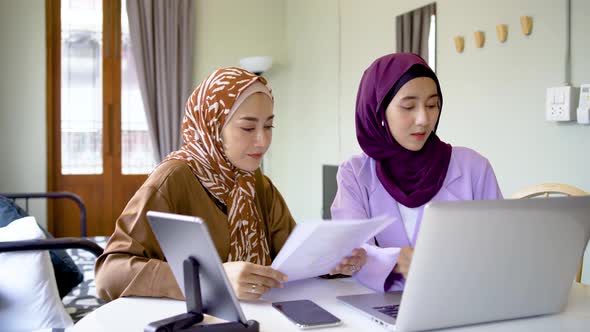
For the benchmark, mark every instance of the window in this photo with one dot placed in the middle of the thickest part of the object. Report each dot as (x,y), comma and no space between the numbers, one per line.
(432,42)
(82,122)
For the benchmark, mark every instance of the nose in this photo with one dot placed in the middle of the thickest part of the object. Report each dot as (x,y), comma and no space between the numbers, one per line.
(421,116)
(262,139)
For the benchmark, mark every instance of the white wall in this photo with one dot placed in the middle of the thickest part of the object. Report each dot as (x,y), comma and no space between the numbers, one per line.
(495,95)
(227,30)
(306,134)
(22,100)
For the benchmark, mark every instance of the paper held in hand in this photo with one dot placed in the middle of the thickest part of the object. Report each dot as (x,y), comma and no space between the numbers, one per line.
(315,247)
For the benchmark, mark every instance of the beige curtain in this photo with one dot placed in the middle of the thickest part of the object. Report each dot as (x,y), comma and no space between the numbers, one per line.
(412,30)
(162,34)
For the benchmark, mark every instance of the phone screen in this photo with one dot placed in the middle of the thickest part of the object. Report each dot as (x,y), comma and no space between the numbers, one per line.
(306,313)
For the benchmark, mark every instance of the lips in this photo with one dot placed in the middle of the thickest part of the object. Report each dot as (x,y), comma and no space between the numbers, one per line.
(419,136)
(255,155)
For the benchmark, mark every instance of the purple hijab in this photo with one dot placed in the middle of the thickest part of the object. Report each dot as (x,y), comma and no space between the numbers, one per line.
(411,177)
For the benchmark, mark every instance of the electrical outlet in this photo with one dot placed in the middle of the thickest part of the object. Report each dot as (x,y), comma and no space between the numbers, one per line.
(559,105)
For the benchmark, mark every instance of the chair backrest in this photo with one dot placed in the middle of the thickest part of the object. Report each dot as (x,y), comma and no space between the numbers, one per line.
(553,189)
(549,189)
(329,189)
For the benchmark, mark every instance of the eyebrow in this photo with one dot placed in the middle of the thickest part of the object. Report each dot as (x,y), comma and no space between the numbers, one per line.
(414,97)
(253,119)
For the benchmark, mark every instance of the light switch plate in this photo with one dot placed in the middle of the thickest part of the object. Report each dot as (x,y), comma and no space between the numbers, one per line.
(583,112)
(559,104)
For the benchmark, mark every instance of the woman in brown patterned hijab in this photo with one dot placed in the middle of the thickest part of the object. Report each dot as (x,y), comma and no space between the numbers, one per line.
(227,129)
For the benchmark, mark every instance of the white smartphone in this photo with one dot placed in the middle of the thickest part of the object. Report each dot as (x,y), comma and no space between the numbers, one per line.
(306,314)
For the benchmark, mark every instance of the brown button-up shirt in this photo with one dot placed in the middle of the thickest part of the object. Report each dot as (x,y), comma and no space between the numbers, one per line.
(133,263)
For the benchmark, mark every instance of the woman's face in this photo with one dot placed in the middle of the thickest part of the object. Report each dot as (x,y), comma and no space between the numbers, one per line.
(413,112)
(247,135)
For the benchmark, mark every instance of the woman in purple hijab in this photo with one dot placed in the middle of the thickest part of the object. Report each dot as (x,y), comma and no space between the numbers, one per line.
(404,165)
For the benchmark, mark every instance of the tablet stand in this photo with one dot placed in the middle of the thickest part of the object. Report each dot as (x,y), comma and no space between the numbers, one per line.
(194,309)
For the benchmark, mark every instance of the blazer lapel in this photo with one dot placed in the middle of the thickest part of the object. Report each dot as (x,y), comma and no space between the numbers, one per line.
(382,203)
(444,194)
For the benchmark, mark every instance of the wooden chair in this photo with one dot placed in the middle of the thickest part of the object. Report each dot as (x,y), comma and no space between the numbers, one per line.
(553,189)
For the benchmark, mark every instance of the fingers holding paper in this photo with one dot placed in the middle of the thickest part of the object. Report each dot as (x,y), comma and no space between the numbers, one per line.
(250,281)
(404,260)
(351,264)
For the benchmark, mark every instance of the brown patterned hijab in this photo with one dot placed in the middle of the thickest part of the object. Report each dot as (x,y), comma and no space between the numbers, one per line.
(206,113)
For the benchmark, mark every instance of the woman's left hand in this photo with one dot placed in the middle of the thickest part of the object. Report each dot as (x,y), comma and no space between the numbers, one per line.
(351,264)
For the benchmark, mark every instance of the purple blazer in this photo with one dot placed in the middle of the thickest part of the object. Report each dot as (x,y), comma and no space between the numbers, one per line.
(361,195)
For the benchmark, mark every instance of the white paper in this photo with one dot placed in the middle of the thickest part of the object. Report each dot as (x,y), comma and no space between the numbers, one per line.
(315,247)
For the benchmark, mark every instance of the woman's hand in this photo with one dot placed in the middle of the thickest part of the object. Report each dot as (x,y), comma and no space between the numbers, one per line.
(403,261)
(250,281)
(351,264)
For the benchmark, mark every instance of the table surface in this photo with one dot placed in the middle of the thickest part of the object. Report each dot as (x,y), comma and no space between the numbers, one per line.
(133,314)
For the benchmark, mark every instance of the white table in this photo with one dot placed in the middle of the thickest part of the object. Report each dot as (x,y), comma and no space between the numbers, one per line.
(133,314)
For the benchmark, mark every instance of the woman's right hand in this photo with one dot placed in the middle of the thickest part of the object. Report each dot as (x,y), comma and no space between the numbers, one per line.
(250,280)
(403,261)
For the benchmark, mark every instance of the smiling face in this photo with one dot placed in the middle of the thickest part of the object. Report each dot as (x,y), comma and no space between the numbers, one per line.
(248,134)
(413,113)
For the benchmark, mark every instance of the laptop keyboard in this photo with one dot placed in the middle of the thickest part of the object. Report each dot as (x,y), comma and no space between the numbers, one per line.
(389,310)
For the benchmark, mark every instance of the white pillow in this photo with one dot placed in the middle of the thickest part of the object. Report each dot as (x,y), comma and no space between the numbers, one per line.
(29,299)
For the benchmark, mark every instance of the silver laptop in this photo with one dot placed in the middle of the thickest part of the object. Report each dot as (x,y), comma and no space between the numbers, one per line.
(482,261)
(183,236)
